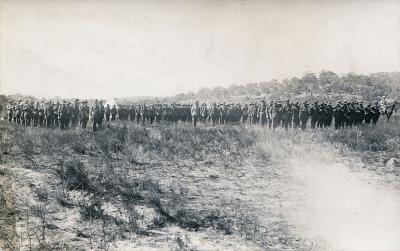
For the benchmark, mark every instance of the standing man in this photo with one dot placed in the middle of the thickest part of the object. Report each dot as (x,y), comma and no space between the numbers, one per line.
(195,112)
(75,113)
(95,114)
(114,112)
(296,115)
(84,114)
(10,110)
(108,113)
(304,115)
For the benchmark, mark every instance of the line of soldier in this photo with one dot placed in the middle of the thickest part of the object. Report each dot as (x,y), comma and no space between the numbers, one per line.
(292,115)
(274,114)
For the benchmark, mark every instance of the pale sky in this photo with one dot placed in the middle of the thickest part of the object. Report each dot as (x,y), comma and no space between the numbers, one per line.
(132,48)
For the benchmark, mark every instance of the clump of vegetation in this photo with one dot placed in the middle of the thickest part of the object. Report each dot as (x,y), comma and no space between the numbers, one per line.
(372,138)
(119,165)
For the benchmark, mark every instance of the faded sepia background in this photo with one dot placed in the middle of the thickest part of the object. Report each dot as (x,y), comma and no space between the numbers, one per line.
(128,48)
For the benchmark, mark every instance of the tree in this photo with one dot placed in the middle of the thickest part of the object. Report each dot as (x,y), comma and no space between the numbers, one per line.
(310,81)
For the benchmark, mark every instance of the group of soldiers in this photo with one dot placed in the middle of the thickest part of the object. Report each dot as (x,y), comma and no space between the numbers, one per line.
(274,114)
(294,115)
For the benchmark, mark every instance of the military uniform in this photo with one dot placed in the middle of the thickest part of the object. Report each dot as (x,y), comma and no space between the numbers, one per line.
(195,112)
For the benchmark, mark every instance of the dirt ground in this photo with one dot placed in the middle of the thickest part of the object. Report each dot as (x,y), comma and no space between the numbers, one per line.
(314,198)
(7,212)
(341,205)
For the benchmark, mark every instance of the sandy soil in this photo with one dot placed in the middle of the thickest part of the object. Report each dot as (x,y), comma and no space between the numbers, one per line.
(7,213)
(339,207)
(316,199)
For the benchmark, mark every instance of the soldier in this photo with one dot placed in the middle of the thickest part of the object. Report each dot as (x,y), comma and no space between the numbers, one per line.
(277,114)
(42,114)
(338,115)
(159,113)
(49,113)
(262,113)
(222,113)
(28,113)
(121,112)
(56,116)
(131,111)
(375,113)
(350,114)
(214,112)
(253,114)
(321,115)
(74,113)
(10,110)
(245,114)
(84,112)
(203,112)
(287,115)
(195,112)
(152,114)
(63,115)
(314,114)
(36,114)
(96,115)
(108,112)
(304,115)
(329,111)
(144,113)
(296,115)
(138,114)
(113,112)
(101,115)
(368,114)
(270,114)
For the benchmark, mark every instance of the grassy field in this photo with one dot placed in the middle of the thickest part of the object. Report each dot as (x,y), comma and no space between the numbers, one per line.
(162,186)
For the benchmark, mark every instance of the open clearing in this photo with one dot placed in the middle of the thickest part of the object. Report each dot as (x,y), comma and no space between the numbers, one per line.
(252,189)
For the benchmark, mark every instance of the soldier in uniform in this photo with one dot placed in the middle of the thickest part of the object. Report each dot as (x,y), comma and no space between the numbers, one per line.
(214,112)
(84,112)
(253,114)
(56,116)
(304,115)
(108,112)
(222,113)
(375,113)
(49,113)
(287,115)
(296,115)
(245,113)
(18,113)
(152,114)
(368,114)
(42,114)
(96,115)
(338,115)
(114,112)
(203,113)
(144,113)
(28,113)
(74,114)
(63,115)
(262,113)
(36,114)
(131,111)
(195,112)
(314,114)
(101,115)
(277,114)
(138,114)
(10,111)
(270,114)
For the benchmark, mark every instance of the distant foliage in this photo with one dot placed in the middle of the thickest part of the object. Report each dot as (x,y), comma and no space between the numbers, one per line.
(325,84)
